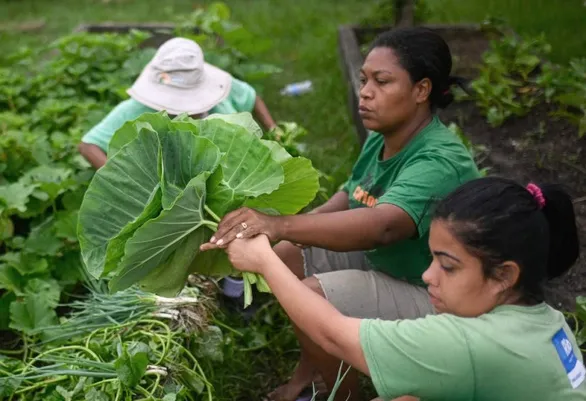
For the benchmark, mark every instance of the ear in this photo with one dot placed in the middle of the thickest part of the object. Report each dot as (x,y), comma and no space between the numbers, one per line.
(422,90)
(506,277)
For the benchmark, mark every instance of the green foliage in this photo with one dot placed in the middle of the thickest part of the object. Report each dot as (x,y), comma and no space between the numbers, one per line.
(505,86)
(386,12)
(565,86)
(226,43)
(183,175)
(48,100)
(515,76)
(46,106)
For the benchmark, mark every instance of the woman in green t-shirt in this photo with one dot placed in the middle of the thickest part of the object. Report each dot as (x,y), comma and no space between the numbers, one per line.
(494,244)
(366,248)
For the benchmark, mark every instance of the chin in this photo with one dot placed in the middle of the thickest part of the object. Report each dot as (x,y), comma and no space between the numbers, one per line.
(371,125)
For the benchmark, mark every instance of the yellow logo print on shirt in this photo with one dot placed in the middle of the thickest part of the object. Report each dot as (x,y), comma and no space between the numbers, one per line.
(364,197)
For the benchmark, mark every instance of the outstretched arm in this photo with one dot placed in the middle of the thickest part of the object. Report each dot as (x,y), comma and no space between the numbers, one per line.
(337,334)
(262,114)
(93,154)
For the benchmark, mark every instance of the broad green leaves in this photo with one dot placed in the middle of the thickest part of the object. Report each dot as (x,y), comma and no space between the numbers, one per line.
(164,187)
(116,197)
(155,242)
(299,188)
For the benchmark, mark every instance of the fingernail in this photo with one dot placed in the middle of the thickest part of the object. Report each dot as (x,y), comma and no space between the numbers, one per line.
(220,242)
(213,239)
(239,235)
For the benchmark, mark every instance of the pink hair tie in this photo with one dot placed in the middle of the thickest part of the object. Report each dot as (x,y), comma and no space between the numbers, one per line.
(537,194)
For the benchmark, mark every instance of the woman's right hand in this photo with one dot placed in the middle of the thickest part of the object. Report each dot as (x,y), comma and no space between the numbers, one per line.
(251,254)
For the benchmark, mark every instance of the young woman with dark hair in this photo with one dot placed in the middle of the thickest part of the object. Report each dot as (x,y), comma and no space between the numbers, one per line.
(494,244)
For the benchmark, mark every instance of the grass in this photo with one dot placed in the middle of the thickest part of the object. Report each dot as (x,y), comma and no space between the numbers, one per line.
(305,45)
(562,22)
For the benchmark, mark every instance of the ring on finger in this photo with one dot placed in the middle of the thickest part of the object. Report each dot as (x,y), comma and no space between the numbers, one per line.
(244,225)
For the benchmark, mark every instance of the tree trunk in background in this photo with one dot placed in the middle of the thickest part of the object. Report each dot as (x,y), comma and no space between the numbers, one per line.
(405,13)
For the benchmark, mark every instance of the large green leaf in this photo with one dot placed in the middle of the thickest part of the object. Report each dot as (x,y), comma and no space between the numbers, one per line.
(115,247)
(278,152)
(155,242)
(244,120)
(169,278)
(211,263)
(248,169)
(183,157)
(155,122)
(117,196)
(299,189)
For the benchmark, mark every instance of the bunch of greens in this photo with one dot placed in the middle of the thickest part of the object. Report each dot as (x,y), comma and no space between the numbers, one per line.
(166,185)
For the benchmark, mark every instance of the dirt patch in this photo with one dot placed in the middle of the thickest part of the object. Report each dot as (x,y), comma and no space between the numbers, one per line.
(536,148)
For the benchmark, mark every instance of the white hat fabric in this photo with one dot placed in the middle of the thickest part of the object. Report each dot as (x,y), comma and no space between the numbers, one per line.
(178,80)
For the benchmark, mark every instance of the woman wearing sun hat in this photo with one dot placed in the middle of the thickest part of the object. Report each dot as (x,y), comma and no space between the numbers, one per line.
(177,80)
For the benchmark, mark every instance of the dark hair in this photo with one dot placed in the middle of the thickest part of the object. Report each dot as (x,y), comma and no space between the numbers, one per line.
(424,54)
(499,220)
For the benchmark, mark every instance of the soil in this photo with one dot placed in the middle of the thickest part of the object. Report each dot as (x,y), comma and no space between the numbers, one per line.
(536,148)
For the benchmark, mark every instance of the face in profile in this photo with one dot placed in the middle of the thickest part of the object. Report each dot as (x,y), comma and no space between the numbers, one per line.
(456,281)
(388,98)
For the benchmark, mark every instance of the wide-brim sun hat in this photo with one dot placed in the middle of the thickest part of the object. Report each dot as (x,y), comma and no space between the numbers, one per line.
(178,80)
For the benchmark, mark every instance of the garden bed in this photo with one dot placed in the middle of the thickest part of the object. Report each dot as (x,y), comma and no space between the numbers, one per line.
(535,147)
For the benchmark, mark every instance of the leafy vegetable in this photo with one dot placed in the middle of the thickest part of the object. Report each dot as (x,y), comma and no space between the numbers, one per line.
(182,175)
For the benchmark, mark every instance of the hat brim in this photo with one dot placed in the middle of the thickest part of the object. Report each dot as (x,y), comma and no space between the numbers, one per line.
(213,89)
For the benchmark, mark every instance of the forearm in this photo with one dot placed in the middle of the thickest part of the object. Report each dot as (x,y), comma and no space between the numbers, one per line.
(93,154)
(262,114)
(344,231)
(337,334)
(337,203)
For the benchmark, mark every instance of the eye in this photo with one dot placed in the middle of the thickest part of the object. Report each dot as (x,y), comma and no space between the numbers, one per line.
(382,81)
(448,269)
(362,80)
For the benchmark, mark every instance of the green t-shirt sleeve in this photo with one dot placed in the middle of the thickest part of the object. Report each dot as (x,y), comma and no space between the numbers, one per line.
(242,98)
(427,358)
(101,134)
(421,182)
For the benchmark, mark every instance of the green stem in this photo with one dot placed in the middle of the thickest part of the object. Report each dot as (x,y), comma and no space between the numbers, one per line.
(211,213)
(213,226)
(227,327)
(41,384)
(70,347)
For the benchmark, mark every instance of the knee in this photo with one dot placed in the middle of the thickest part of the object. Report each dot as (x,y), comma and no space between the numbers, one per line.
(314,284)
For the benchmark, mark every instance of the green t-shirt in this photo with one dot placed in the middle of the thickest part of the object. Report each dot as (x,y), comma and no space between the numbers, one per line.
(432,164)
(241,98)
(513,353)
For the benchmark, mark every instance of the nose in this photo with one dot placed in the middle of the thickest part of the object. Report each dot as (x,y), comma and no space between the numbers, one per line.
(429,276)
(366,91)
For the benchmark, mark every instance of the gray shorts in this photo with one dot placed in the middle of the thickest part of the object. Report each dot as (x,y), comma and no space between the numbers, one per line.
(356,290)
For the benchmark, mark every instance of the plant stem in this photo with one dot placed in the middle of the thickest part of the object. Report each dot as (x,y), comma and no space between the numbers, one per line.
(211,213)
(213,226)
(228,328)
(41,384)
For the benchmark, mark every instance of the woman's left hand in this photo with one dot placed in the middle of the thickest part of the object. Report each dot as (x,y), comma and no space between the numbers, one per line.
(243,223)
(250,255)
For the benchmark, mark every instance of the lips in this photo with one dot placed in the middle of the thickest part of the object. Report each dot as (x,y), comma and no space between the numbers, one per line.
(434,300)
(364,109)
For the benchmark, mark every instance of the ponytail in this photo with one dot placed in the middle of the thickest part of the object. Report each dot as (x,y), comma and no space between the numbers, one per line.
(564,247)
